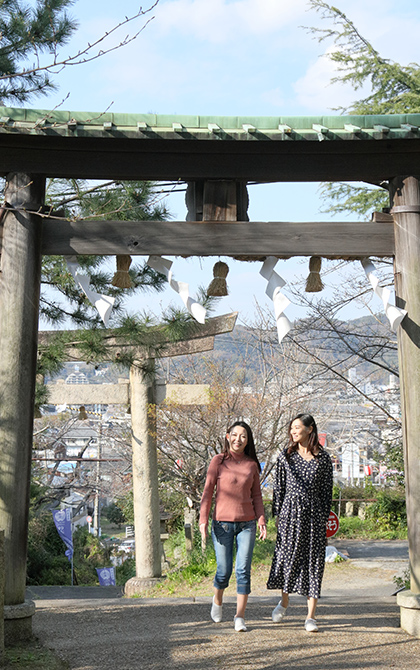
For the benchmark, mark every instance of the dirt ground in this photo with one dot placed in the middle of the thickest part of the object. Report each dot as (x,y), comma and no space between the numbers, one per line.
(358,619)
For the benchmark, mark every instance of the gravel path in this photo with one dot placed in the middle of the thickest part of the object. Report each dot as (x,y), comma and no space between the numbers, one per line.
(358,617)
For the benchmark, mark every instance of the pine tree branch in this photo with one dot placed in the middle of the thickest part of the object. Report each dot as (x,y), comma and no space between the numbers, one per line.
(82,56)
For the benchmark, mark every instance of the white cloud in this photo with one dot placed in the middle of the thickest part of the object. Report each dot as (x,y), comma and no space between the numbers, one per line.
(315,93)
(220,21)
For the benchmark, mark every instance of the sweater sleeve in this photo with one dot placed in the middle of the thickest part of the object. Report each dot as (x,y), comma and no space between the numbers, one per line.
(279,486)
(209,486)
(257,500)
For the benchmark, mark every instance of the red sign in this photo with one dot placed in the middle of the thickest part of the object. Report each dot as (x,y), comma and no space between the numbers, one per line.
(333,524)
(89,519)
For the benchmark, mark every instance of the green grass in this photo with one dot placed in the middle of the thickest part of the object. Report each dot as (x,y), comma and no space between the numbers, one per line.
(369,529)
(32,656)
(112,530)
(193,575)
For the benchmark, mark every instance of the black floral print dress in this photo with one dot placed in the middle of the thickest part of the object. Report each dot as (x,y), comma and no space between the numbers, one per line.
(302,496)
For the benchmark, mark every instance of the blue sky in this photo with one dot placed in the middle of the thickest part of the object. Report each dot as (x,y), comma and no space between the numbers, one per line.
(229,57)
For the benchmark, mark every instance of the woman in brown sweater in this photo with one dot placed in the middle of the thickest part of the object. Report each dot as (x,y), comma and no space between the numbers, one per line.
(238,508)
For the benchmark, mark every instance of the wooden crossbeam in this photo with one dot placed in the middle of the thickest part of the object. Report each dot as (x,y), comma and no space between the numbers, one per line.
(233,238)
(61,393)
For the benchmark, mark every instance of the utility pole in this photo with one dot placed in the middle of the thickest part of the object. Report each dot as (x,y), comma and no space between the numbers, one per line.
(96,510)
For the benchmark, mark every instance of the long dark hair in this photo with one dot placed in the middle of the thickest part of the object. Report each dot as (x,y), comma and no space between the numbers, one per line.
(313,441)
(250,445)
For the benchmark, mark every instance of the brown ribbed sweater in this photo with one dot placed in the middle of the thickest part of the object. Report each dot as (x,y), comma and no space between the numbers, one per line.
(238,491)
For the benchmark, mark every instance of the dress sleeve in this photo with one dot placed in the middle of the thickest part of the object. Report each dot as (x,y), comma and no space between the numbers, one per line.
(257,500)
(279,486)
(327,487)
(209,486)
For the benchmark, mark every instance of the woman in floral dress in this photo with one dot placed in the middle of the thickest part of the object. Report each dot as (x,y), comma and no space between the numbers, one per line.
(302,496)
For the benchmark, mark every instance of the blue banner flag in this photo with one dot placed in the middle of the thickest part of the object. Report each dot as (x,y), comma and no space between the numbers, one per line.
(106,576)
(62,520)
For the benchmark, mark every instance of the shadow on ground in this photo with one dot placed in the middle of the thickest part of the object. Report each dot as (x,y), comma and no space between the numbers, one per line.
(176,633)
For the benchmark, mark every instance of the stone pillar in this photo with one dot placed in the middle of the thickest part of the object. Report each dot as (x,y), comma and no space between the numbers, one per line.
(349,508)
(1,598)
(361,513)
(19,305)
(145,483)
(405,203)
(189,528)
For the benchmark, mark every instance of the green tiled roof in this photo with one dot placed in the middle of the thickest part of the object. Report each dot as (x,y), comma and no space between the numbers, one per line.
(164,126)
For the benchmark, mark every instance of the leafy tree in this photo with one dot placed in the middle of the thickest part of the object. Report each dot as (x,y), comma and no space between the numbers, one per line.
(389,510)
(126,505)
(31,39)
(47,563)
(61,298)
(394,461)
(394,89)
(114,514)
(28,32)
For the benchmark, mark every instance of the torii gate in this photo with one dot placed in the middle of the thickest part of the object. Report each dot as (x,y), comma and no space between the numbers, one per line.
(142,393)
(216,156)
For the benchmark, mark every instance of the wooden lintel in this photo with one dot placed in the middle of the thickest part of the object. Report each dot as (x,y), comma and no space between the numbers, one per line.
(88,394)
(227,238)
(119,394)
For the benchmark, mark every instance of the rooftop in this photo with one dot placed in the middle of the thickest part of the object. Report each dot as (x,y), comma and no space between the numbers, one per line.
(159,147)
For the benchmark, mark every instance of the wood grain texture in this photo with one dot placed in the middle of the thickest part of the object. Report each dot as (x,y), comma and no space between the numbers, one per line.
(192,238)
(405,197)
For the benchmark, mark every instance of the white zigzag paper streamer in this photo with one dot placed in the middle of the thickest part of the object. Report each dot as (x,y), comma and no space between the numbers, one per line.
(273,290)
(163,265)
(394,314)
(103,303)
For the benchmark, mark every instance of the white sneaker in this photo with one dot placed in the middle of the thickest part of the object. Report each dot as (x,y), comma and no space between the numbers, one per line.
(216,612)
(311,626)
(278,613)
(239,624)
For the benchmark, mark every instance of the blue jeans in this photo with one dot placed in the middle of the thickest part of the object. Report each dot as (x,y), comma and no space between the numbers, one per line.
(226,535)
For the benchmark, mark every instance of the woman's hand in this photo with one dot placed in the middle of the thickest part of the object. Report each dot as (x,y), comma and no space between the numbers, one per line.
(263,531)
(203,531)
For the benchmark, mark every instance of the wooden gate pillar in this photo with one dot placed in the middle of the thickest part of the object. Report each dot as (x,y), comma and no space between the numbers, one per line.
(145,483)
(217,200)
(19,305)
(405,203)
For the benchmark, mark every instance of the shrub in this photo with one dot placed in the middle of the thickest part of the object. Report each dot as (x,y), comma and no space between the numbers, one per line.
(357,493)
(114,514)
(47,565)
(125,571)
(389,511)
(402,582)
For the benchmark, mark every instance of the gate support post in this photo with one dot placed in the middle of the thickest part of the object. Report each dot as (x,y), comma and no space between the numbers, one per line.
(145,483)
(405,202)
(19,306)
